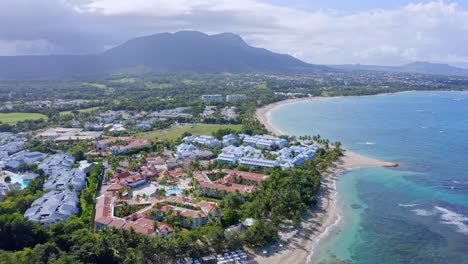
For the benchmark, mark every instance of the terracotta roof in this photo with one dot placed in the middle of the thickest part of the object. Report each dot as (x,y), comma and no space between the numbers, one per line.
(165,227)
(228,187)
(117,223)
(104,220)
(156,160)
(207,207)
(138,228)
(178,199)
(191,213)
(247,175)
(114,187)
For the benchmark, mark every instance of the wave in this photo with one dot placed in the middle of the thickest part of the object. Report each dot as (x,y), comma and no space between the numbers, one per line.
(422,212)
(453,218)
(407,205)
(366,143)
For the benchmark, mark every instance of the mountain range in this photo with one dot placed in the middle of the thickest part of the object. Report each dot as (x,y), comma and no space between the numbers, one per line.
(166,52)
(188,51)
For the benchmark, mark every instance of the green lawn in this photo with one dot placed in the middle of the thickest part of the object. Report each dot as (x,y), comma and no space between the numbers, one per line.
(81,110)
(124,80)
(151,85)
(96,85)
(176,131)
(13,118)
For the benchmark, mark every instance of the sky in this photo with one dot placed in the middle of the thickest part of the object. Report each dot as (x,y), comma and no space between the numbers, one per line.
(386,32)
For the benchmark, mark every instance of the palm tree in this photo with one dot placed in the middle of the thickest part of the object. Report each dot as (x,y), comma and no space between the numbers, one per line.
(189,221)
(161,192)
(152,214)
(120,193)
(155,225)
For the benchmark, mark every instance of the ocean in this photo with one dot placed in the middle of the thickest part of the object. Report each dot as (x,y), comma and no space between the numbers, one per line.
(417,213)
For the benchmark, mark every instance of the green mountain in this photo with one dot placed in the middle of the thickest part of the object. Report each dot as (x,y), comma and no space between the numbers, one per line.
(182,51)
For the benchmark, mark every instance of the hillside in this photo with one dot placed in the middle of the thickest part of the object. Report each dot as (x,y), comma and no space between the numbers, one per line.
(166,52)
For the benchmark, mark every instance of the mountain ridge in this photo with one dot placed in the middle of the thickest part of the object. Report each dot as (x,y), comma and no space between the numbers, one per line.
(164,52)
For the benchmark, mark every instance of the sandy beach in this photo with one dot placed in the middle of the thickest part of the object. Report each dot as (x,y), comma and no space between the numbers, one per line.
(297,245)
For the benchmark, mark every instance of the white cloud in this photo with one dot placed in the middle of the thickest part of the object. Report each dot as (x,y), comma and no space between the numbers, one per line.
(434,31)
(28,47)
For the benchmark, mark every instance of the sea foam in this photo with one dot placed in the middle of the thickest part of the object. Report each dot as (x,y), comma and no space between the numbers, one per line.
(422,212)
(453,218)
(407,205)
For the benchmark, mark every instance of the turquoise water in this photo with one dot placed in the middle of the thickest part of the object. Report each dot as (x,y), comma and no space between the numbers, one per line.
(18,179)
(173,192)
(417,213)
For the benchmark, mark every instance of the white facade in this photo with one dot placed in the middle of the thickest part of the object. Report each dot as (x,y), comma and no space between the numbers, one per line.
(265,141)
(208,141)
(229,140)
(212,98)
(235,97)
(258,163)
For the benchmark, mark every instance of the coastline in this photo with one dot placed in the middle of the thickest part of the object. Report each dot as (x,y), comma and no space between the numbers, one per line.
(298,245)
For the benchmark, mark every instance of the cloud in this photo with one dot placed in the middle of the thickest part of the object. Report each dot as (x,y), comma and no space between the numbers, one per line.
(433,31)
(30,47)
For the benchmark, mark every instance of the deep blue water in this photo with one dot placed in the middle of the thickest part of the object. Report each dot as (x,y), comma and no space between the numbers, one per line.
(417,213)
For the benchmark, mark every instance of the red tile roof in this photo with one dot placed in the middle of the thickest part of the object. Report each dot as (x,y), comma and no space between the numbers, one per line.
(247,175)
(228,187)
(117,223)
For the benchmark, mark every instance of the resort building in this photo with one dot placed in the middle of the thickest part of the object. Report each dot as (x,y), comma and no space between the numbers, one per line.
(104,218)
(61,176)
(172,113)
(13,147)
(158,162)
(129,179)
(115,146)
(56,162)
(235,97)
(208,141)
(53,207)
(295,155)
(60,134)
(189,151)
(229,113)
(229,140)
(191,215)
(23,157)
(258,163)
(233,181)
(231,154)
(265,141)
(6,187)
(94,126)
(212,98)
(66,179)
(116,128)
(209,112)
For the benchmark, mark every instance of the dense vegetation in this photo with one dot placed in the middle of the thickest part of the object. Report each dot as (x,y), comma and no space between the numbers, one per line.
(88,195)
(281,199)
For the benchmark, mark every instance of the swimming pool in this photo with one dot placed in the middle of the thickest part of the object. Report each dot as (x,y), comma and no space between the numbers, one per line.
(19,180)
(171,192)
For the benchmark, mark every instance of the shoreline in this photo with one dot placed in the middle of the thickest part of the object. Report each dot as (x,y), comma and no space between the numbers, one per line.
(298,245)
